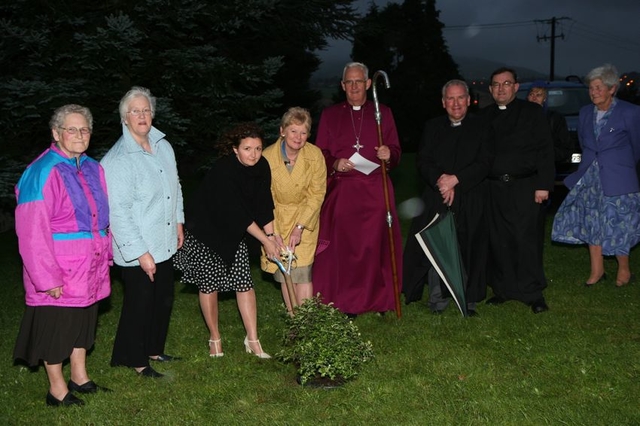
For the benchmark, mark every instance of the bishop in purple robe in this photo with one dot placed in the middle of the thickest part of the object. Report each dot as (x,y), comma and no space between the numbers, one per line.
(353,267)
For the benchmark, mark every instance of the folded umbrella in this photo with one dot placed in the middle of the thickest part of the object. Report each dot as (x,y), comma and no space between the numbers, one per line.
(439,241)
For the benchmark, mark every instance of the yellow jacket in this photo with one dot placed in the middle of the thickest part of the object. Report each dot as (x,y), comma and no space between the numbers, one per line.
(297,196)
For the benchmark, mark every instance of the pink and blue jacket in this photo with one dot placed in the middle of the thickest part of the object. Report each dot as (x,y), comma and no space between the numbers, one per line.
(62,221)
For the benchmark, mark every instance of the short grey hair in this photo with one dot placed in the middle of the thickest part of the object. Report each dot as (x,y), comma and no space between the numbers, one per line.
(136,92)
(57,119)
(455,82)
(360,65)
(607,73)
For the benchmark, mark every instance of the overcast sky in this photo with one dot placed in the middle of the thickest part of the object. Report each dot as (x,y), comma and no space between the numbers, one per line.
(596,32)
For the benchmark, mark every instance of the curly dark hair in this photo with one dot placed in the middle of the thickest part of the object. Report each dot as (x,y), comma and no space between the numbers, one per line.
(232,137)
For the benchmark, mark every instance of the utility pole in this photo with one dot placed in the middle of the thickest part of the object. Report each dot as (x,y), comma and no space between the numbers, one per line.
(553,21)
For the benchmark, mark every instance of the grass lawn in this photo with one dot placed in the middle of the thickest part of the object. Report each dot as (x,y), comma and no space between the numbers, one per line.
(578,364)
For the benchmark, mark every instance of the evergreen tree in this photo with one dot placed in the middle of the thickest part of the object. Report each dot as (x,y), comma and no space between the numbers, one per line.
(405,40)
(210,63)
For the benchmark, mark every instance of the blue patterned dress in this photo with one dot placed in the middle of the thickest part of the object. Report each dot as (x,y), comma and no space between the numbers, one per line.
(588,216)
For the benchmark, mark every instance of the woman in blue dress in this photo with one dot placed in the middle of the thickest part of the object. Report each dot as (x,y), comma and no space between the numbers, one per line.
(602,208)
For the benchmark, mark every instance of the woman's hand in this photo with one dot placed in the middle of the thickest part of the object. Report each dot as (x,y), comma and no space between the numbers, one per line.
(55,292)
(295,238)
(272,249)
(148,265)
(180,235)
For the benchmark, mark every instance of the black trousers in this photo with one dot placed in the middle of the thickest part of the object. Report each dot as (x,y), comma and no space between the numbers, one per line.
(516,270)
(146,311)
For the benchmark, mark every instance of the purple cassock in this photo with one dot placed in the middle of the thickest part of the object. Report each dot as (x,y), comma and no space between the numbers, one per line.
(352,267)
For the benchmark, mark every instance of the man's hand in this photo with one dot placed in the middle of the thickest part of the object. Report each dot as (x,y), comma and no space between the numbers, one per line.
(448,196)
(446,182)
(541,196)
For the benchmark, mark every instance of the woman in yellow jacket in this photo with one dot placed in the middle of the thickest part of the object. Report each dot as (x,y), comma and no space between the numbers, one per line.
(298,185)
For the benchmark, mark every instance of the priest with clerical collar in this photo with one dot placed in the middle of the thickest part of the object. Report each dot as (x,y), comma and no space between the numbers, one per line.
(521,176)
(453,162)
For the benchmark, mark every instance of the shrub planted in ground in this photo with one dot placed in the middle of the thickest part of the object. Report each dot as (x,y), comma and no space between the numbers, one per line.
(323,342)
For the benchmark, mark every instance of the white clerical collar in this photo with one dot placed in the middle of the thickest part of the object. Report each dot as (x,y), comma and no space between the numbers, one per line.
(356,107)
(456,123)
(502,107)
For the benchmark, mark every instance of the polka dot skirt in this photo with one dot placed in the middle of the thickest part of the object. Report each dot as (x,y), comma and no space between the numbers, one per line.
(206,269)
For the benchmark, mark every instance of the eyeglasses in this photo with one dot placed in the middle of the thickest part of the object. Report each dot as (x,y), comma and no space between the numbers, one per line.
(506,84)
(354,82)
(140,112)
(74,130)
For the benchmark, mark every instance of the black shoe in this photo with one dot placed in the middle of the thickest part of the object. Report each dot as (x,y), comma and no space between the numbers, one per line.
(166,358)
(471,313)
(150,372)
(352,316)
(69,399)
(437,312)
(539,306)
(89,387)
(495,300)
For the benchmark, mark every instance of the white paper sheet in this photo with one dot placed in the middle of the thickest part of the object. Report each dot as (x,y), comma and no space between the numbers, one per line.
(363,165)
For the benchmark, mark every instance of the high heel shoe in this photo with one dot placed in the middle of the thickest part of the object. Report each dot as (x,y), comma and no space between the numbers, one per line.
(602,278)
(215,343)
(247,348)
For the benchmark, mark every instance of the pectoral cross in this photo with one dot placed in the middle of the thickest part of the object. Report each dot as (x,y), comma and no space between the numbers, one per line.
(357,146)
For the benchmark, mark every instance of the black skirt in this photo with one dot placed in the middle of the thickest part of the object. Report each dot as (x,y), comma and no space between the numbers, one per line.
(205,268)
(50,333)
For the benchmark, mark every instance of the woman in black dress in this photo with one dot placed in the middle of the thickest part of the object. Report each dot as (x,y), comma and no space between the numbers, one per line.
(233,200)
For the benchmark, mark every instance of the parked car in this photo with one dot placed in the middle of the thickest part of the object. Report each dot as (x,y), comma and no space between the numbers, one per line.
(566,98)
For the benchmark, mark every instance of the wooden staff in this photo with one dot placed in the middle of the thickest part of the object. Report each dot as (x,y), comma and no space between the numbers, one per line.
(291,292)
(394,267)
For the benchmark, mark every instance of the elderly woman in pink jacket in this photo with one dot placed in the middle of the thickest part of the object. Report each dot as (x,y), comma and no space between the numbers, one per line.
(62,221)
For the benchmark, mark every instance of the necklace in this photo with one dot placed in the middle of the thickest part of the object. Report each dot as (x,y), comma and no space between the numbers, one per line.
(357,146)
(287,161)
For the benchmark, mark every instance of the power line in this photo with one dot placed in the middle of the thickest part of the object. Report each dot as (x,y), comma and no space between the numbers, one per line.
(490,26)
(581,29)
(593,34)
(575,29)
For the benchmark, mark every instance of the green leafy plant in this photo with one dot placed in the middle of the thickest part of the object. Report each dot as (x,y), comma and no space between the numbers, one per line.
(323,343)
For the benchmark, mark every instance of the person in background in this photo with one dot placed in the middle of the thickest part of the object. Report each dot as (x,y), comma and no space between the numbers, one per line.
(233,201)
(559,132)
(453,161)
(62,223)
(562,147)
(298,186)
(520,179)
(147,219)
(353,267)
(602,208)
